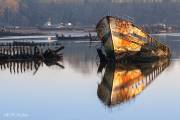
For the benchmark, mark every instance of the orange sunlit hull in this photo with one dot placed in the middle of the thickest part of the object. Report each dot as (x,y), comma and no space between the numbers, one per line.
(120,36)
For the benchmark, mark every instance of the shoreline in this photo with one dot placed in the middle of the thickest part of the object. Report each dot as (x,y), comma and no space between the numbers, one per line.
(35,31)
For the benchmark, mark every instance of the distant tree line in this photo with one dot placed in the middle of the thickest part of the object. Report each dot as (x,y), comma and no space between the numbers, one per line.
(34,13)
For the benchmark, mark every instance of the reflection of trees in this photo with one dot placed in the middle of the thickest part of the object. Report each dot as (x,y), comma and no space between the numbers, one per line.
(80,57)
(123,82)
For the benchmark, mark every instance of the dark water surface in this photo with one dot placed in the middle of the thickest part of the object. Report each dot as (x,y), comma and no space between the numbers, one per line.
(81,91)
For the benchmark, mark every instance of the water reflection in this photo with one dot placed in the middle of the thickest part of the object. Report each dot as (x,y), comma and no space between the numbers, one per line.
(22,66)
(20,57)
(80,57)
(53,93)
(123,82)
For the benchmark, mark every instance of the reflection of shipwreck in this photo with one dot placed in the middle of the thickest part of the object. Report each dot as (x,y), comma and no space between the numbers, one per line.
(20,57)
(122,40)
(123,82)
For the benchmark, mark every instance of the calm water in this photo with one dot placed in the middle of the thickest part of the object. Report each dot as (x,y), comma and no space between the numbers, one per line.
(78,90)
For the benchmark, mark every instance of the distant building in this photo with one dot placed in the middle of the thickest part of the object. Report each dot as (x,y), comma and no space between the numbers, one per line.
(48,23)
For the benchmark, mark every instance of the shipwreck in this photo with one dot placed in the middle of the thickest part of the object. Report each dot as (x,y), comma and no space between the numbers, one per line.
(29,53)
(124,41)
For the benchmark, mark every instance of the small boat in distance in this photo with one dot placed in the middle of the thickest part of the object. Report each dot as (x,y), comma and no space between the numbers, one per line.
(124,40)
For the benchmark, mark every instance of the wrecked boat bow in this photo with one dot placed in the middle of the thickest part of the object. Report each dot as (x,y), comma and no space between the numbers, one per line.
(122,40)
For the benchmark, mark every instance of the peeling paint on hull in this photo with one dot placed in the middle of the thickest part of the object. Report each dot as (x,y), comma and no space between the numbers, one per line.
(122,38)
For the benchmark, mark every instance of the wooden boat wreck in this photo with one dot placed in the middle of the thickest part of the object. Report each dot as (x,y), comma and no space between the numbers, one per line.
(122,83)
(85,37)
(123,41)
(19,57)
(25,51)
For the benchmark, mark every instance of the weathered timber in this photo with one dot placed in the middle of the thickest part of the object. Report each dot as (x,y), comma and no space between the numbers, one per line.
(122,40)
(28,51)
(20,57)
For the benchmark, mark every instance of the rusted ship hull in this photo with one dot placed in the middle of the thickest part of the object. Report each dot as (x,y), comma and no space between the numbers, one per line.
(121,38)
